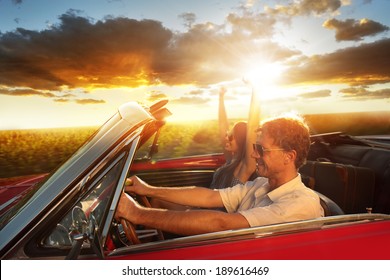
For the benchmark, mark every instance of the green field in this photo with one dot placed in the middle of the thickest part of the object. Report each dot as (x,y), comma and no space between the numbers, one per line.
(26,152)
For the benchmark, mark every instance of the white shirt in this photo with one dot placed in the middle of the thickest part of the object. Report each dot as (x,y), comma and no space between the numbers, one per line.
(292,201)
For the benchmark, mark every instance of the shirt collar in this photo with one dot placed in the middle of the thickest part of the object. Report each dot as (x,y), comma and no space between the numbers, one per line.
(290,186)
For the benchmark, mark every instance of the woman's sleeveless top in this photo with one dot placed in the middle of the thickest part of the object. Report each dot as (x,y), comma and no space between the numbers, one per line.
(218,183)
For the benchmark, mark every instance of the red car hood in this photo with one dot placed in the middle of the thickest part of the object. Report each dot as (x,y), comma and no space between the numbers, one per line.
(13,189)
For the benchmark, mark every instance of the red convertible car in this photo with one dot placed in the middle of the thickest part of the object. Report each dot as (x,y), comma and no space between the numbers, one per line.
(69,214)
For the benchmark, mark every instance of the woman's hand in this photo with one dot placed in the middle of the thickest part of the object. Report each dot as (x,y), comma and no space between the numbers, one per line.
(222,91)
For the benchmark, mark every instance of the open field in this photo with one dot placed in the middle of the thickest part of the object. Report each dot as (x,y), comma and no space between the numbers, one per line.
(24,152)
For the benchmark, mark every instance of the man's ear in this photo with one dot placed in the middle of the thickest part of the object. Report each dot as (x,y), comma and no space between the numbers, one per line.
(290,156)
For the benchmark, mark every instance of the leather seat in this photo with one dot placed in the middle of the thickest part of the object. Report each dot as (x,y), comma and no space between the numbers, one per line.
(330,207)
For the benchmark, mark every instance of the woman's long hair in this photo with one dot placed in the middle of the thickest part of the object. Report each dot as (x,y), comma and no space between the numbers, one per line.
(224,175)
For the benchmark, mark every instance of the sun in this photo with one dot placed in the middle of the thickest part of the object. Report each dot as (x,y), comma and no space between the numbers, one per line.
(264,78)
(265,74)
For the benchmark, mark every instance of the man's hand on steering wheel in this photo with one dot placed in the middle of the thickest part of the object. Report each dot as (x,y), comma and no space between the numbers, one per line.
(135,185)
(128,208)
(125,213)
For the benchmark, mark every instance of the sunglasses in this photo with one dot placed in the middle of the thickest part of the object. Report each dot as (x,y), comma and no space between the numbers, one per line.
(261,150)
(229,136)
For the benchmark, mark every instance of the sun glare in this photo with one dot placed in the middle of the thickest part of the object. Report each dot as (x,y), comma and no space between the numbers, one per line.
(264,75)
(264,78)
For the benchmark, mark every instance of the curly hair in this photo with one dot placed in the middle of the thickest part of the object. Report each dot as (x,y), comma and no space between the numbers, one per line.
(290,132)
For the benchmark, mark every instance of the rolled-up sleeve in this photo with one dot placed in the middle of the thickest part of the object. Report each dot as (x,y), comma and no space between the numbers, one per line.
(238,196)
(232,197)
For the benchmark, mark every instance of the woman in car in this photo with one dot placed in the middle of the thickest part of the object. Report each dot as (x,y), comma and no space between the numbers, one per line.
(237,144)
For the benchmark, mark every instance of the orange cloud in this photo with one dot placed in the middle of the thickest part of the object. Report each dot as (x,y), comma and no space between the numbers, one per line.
(123,52)
(78,53)
(156,95)
(316,94)
(26,92)
(89,101)
(306,7)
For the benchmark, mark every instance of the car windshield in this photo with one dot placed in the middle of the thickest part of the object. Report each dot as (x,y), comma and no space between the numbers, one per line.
(88,212)
(91,209)
(7,213)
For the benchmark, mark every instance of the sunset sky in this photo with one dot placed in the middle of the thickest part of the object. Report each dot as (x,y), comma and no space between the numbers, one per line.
(72,63)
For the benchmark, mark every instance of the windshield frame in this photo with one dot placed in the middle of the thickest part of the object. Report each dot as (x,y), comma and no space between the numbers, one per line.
(40,187)
(29,217)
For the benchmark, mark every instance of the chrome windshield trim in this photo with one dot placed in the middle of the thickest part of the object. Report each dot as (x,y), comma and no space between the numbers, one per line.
(119,188)
(257,232)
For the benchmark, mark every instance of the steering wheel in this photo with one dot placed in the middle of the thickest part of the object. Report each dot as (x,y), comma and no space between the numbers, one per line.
(129,228)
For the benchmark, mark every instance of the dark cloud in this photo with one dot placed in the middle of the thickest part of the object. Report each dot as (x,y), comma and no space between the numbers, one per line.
(79,52)
(354,30)
(17,69)
(316,94)
(362,65)
(363,93)
(306,7)
(120,52)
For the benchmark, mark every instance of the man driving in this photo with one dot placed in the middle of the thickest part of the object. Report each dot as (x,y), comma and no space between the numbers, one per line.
(276,196)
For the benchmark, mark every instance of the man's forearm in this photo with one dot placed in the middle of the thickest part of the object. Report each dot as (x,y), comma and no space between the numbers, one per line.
(190,222)
(190,196)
